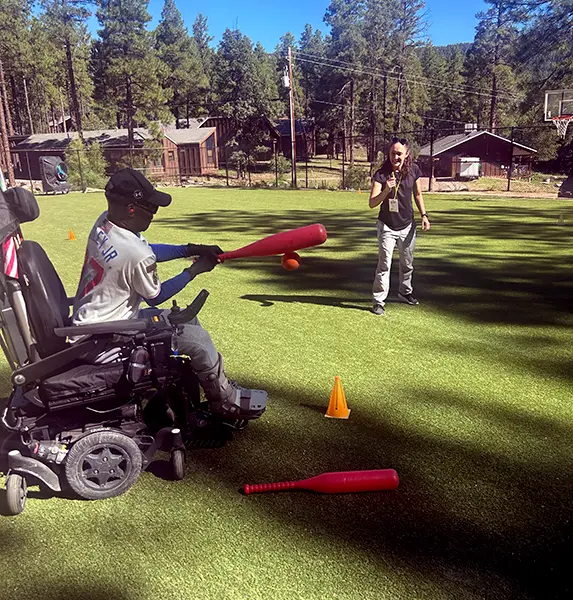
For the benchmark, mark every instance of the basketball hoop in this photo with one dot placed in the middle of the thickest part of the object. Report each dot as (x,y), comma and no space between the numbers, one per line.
(561,123)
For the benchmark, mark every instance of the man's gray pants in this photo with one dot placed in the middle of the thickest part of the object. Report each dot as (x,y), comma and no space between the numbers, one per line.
(388,239)
(196,343)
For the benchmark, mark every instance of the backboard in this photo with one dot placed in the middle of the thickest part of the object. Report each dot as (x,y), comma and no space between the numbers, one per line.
(558,103)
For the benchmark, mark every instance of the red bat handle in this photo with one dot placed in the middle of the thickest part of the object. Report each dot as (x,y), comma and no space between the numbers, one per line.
(280,243)
(335,483)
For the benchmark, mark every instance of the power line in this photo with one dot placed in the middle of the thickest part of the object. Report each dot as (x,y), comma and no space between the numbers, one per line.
(338,64)
(414,80)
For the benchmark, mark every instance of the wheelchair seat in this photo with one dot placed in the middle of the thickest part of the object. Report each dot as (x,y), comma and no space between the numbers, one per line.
(81,385)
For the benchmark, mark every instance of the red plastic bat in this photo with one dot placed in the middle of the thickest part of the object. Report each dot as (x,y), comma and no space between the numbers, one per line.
(335,483)
(279,243)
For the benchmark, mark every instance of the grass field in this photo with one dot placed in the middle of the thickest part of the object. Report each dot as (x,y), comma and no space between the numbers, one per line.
(467,396)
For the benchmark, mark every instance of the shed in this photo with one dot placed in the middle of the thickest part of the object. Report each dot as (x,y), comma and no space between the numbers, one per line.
(494,153)
(304,137)
(190,151)
(26,153)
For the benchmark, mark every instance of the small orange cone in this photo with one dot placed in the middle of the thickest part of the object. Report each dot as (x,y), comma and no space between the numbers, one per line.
(337,407)
(359,190)
(72,235)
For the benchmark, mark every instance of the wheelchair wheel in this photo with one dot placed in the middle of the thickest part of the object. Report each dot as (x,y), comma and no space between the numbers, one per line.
(16,492)
(102,465)
(178,464)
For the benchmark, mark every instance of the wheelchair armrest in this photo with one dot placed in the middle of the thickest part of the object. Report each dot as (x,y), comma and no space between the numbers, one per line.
(179,317)
(124,326)
(49,365)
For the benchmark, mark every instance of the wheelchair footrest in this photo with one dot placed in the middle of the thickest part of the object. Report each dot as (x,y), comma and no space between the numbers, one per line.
(206,431)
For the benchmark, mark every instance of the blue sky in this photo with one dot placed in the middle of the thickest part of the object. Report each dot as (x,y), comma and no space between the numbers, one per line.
(266,21)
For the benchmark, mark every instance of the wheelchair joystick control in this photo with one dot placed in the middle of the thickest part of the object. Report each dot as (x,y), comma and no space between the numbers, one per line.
(175,309)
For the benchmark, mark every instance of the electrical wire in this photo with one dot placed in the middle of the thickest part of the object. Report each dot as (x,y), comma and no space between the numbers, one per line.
(339,64)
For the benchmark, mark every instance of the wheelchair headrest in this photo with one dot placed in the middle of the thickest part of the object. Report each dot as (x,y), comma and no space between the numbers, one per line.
(45,297)
(17,205)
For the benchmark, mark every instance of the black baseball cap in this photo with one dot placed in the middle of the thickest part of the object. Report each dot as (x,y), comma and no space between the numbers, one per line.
(129,185)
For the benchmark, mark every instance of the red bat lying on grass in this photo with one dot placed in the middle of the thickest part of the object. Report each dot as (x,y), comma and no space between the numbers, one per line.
(335,483)
(281,243)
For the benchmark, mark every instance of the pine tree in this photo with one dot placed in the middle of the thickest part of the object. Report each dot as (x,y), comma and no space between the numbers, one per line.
(16,56)
(491,56)
(240,89)
(127,63)
(66,23)
(203,41)
(183,77)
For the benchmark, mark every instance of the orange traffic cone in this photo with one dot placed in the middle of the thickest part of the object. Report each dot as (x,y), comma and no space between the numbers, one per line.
(359,190)
(72,235)
(337,407)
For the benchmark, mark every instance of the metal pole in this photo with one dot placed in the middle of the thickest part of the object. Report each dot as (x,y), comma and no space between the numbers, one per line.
(80,170)
(31,123)
(276,163)
(306,158)
(343,159)
(29,171)
(292,121)
(227,164)
(430,183)
(63,113)
(510,170)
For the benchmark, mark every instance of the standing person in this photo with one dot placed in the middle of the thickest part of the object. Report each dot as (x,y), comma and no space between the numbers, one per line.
(120,272)
(392,188)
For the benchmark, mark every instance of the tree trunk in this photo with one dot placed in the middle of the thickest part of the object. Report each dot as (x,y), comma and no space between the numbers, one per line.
(28,106)
(74,91)
(5,99)
(17,117)
(400,103)
(496,61)
(493,105)
(6,147)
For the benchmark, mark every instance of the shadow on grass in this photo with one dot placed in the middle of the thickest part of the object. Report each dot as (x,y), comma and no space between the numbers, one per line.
(521,286)
(478,523)
(471,520)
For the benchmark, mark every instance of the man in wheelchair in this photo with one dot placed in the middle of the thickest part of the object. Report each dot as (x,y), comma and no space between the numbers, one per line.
(120,271)
(96,393)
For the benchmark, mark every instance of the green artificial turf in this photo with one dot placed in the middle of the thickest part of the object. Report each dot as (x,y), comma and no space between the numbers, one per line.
(468,396)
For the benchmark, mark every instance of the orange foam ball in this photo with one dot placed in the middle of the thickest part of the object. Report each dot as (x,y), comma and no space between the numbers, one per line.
(290,261)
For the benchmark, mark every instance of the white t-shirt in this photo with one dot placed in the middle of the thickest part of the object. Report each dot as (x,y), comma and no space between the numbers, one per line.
(119,271)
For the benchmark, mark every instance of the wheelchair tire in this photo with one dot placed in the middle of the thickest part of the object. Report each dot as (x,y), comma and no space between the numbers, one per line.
(178,464)
(102,465)
(16,493)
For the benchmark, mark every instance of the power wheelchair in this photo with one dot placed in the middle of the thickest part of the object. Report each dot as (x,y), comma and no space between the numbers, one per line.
(74,426)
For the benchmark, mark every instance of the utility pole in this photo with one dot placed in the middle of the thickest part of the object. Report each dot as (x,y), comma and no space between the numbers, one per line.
(292,121)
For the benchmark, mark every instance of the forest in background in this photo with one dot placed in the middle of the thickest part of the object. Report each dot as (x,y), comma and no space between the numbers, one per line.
(372,71)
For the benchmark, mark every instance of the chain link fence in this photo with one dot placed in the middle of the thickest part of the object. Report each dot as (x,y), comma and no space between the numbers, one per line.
(346,163)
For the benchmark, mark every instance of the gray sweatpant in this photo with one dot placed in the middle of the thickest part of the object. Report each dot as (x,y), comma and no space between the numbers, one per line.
(388,239)
(196,343)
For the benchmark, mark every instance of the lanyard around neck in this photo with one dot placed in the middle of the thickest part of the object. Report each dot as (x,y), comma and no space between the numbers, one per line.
(398,186)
